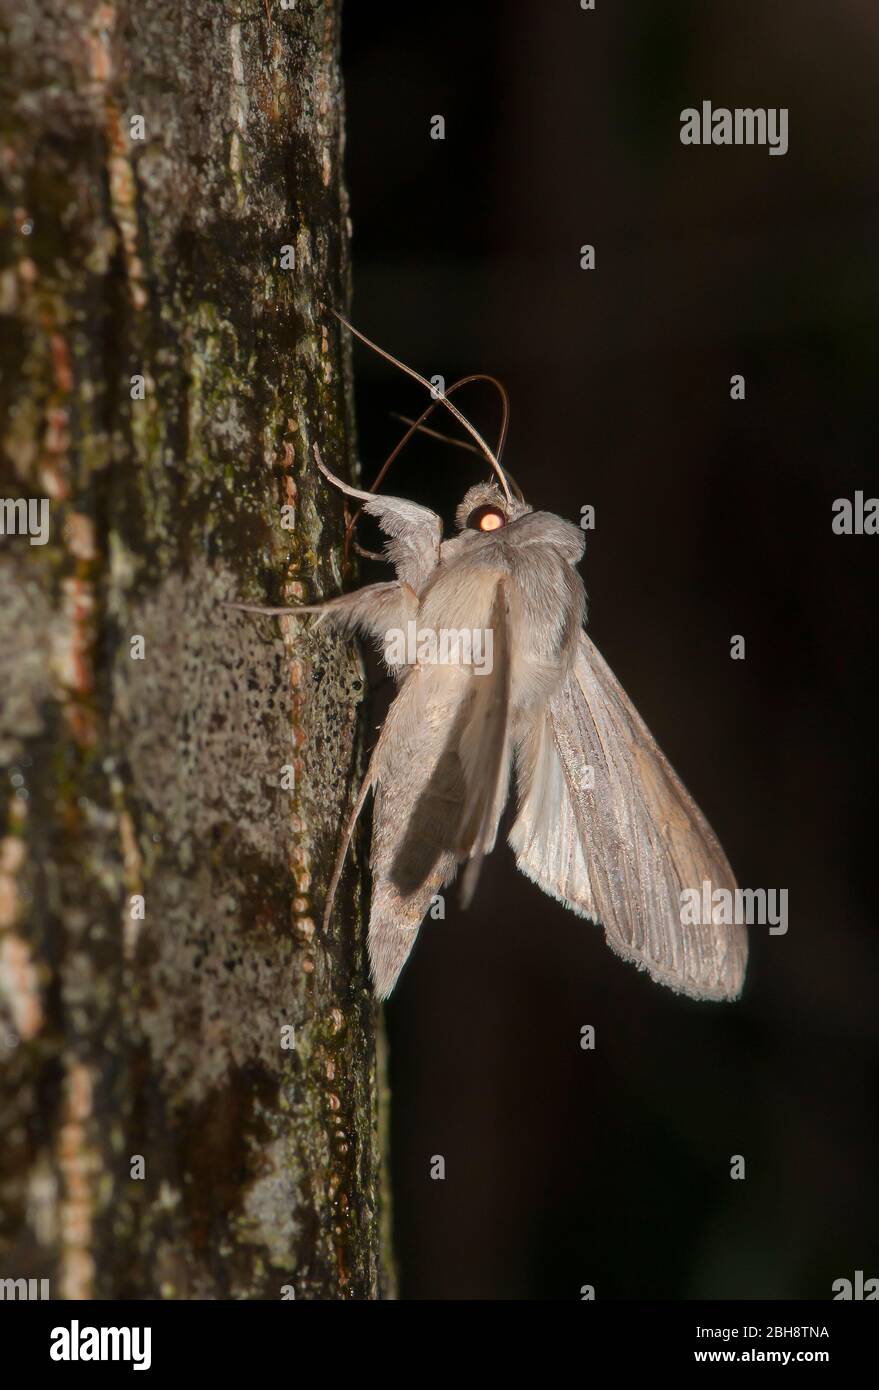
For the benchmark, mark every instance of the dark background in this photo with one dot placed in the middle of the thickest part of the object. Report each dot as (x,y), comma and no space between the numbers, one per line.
(612,1168)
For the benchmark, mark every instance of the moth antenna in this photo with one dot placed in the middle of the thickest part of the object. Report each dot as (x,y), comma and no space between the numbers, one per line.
(426,412)
(449,439)
(415,425)
(436,434)
(416,376)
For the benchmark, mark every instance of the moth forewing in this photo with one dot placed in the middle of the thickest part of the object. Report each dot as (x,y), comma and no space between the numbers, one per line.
(644,840)
(417,794)
(485,750)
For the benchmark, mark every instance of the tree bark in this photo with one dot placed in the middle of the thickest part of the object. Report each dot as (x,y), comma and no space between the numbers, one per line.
(167,368)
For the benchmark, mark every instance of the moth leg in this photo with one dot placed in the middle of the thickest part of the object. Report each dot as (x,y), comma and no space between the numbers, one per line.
(342,852)
(346,488)
(372,610)
(275,612)
(415,532)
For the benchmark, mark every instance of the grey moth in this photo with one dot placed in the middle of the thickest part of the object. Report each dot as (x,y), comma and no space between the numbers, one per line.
(499,683)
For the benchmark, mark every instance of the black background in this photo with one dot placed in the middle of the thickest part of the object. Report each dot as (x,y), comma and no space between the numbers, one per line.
(612,1167)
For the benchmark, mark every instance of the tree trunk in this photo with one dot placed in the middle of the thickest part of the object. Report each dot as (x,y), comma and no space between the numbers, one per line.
(188,1061)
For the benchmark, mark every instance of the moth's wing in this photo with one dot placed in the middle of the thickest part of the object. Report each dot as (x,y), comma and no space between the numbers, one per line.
(642,839)
(398,905)
(396,916)
(440,785)
(415,532)
(546,835)
(485,751)
(417,804)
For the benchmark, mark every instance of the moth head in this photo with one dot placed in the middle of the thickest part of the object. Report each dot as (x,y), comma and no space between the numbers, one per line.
(485,510)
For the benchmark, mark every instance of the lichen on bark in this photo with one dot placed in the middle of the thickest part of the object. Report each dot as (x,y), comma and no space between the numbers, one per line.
(161,777)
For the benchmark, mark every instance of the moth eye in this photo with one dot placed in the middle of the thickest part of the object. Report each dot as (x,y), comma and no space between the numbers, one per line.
(487,518)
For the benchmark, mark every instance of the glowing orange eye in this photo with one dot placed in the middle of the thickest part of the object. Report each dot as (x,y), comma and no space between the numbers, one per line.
(487,518)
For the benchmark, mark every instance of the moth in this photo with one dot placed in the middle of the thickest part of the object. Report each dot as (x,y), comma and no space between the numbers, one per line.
(603,823)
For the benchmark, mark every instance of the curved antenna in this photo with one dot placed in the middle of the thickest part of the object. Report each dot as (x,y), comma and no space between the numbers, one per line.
(463,381)
(415,425)
(463,444)
(416,376)
(458,443)
(428,410)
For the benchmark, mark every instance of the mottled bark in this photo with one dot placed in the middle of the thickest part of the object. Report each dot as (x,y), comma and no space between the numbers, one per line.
(161,777)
